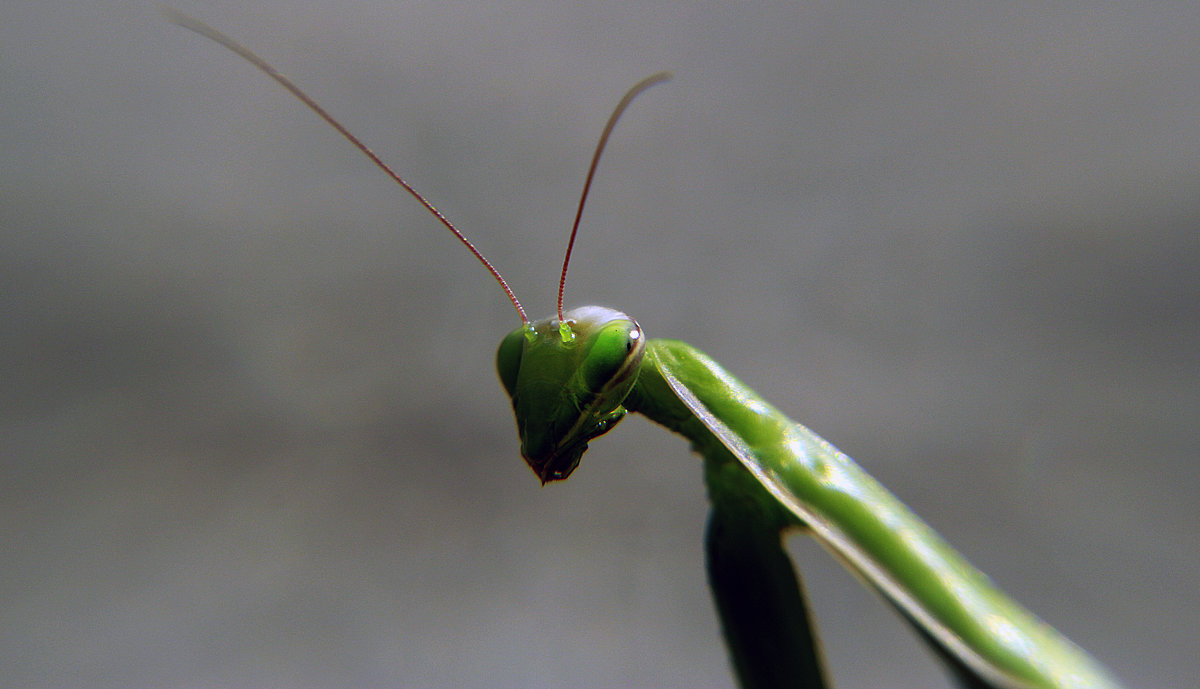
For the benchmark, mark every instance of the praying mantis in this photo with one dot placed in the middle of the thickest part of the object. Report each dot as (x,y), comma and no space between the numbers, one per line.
(574,376)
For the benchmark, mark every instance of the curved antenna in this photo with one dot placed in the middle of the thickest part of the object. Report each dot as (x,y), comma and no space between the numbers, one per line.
(177,17)
(587,184)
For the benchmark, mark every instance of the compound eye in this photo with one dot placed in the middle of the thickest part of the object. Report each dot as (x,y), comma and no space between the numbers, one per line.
(611,349)
(508,358)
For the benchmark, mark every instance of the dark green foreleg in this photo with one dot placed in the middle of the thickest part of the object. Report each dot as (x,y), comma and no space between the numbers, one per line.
(764,615)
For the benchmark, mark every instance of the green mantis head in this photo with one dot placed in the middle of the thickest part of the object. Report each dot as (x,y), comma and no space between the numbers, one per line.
(568,376)
(567,380)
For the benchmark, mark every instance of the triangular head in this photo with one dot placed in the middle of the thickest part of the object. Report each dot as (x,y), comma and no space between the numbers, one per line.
(568,380)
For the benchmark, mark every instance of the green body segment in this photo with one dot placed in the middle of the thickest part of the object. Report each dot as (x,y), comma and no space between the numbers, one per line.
(851,513)
(773,473)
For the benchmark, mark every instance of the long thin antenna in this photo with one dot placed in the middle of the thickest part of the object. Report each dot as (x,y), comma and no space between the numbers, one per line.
(177,17)
(587,184)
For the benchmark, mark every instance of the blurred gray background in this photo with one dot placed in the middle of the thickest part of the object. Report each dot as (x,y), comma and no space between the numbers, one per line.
(251,432)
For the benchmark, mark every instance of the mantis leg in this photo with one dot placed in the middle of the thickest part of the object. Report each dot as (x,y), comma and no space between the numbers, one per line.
(764,613)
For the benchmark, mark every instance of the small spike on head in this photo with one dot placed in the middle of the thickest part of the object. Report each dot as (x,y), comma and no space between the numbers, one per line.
(177,17)
(587,184)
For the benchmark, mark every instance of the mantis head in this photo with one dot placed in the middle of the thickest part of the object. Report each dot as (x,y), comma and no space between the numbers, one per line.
(567,380)
(568,376)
